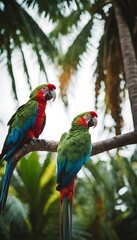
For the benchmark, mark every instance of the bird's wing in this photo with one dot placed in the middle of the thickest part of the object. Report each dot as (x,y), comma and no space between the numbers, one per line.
(20,123)
(73,152)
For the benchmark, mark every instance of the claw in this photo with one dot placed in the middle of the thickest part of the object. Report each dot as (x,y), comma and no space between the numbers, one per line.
(25,146)
(33,141)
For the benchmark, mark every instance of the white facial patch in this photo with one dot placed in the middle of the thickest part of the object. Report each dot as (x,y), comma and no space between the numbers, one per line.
(45,90)
(87,118)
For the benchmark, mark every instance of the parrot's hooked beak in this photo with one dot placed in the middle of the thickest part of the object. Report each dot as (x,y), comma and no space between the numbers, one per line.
(50,95)
(93,122)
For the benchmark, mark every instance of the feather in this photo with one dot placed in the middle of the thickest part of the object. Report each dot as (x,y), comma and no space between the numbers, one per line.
(8,173)
(66,204)
(20,123)
(25,124)
(74,150)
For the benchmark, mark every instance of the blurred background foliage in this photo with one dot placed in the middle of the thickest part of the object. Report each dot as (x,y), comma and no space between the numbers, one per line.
(75,24)
(32,208)
(106,193)
(104,204)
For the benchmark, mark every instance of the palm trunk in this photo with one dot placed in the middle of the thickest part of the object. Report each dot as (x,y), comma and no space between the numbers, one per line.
(129,60)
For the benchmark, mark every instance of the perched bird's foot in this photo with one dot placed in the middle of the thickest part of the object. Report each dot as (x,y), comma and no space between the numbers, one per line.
(33,141)
(24,148)
(26,145)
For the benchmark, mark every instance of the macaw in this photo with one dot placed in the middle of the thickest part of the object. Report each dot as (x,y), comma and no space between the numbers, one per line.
(25,126)
(74,150)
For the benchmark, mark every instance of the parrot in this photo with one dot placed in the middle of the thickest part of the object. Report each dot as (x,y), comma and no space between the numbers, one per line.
(25,126)
(74,150)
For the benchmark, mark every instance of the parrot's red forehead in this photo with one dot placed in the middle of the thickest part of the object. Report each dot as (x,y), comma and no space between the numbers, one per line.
(94,114)
(51,86)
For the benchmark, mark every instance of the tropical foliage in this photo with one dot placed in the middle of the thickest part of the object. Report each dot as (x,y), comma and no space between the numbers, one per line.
(19,28)
(104,203)
(109,71)
(106,196)
(33,204)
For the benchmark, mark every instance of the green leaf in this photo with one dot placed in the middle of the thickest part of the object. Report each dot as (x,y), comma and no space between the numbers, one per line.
(29,170)
(64,25)
(47,174)
(16,212)
(78,47)
(10,68)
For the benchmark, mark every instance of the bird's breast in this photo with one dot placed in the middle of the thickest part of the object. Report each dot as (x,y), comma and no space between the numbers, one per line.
(40,118)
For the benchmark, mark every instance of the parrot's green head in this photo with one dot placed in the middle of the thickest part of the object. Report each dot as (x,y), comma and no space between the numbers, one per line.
(87,119)
(44,92)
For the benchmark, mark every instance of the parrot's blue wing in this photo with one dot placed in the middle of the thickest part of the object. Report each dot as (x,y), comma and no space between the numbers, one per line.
(67,170)
(20,123)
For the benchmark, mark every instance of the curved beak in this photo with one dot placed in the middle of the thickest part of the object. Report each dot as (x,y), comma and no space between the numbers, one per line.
(51,94)
(93,122)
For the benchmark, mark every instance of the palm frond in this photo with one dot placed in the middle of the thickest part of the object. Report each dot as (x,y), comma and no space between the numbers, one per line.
(107,71)
(38,37)
(72,59)
(22,29)
(55,9)
(4,229)
(16,212)
(24,64)
(30,177)
(64,25)
(9,65)
(78,47)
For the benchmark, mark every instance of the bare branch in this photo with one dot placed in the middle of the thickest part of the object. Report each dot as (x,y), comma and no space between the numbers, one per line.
(115,142)
(99,147)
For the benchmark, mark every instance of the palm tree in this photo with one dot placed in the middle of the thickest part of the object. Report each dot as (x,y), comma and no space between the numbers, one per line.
(109,65)
(129,58)
(17,30)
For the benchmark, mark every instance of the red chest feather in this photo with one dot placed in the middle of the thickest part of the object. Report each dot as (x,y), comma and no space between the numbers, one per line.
(38,126)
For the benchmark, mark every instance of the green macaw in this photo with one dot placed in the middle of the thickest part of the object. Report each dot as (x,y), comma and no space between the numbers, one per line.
(74,150)
(25,125)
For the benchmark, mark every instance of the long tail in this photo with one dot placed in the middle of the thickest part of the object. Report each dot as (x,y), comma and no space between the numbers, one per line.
(5,186)
(66,203)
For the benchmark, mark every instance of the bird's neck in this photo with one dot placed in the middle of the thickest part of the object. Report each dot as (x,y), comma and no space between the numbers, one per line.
(42,105)
(40,98)
(78,127)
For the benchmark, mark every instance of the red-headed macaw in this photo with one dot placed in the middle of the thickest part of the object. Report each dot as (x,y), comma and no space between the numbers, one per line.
(25,125)
(74,150)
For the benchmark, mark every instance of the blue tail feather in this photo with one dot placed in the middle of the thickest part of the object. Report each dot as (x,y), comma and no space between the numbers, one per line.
(5,186)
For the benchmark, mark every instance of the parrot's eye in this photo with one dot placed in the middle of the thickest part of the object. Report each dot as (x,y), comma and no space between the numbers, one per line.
(87,115)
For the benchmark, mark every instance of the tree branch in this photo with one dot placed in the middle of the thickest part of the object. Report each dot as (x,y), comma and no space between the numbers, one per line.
(114,142)
(98,147)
